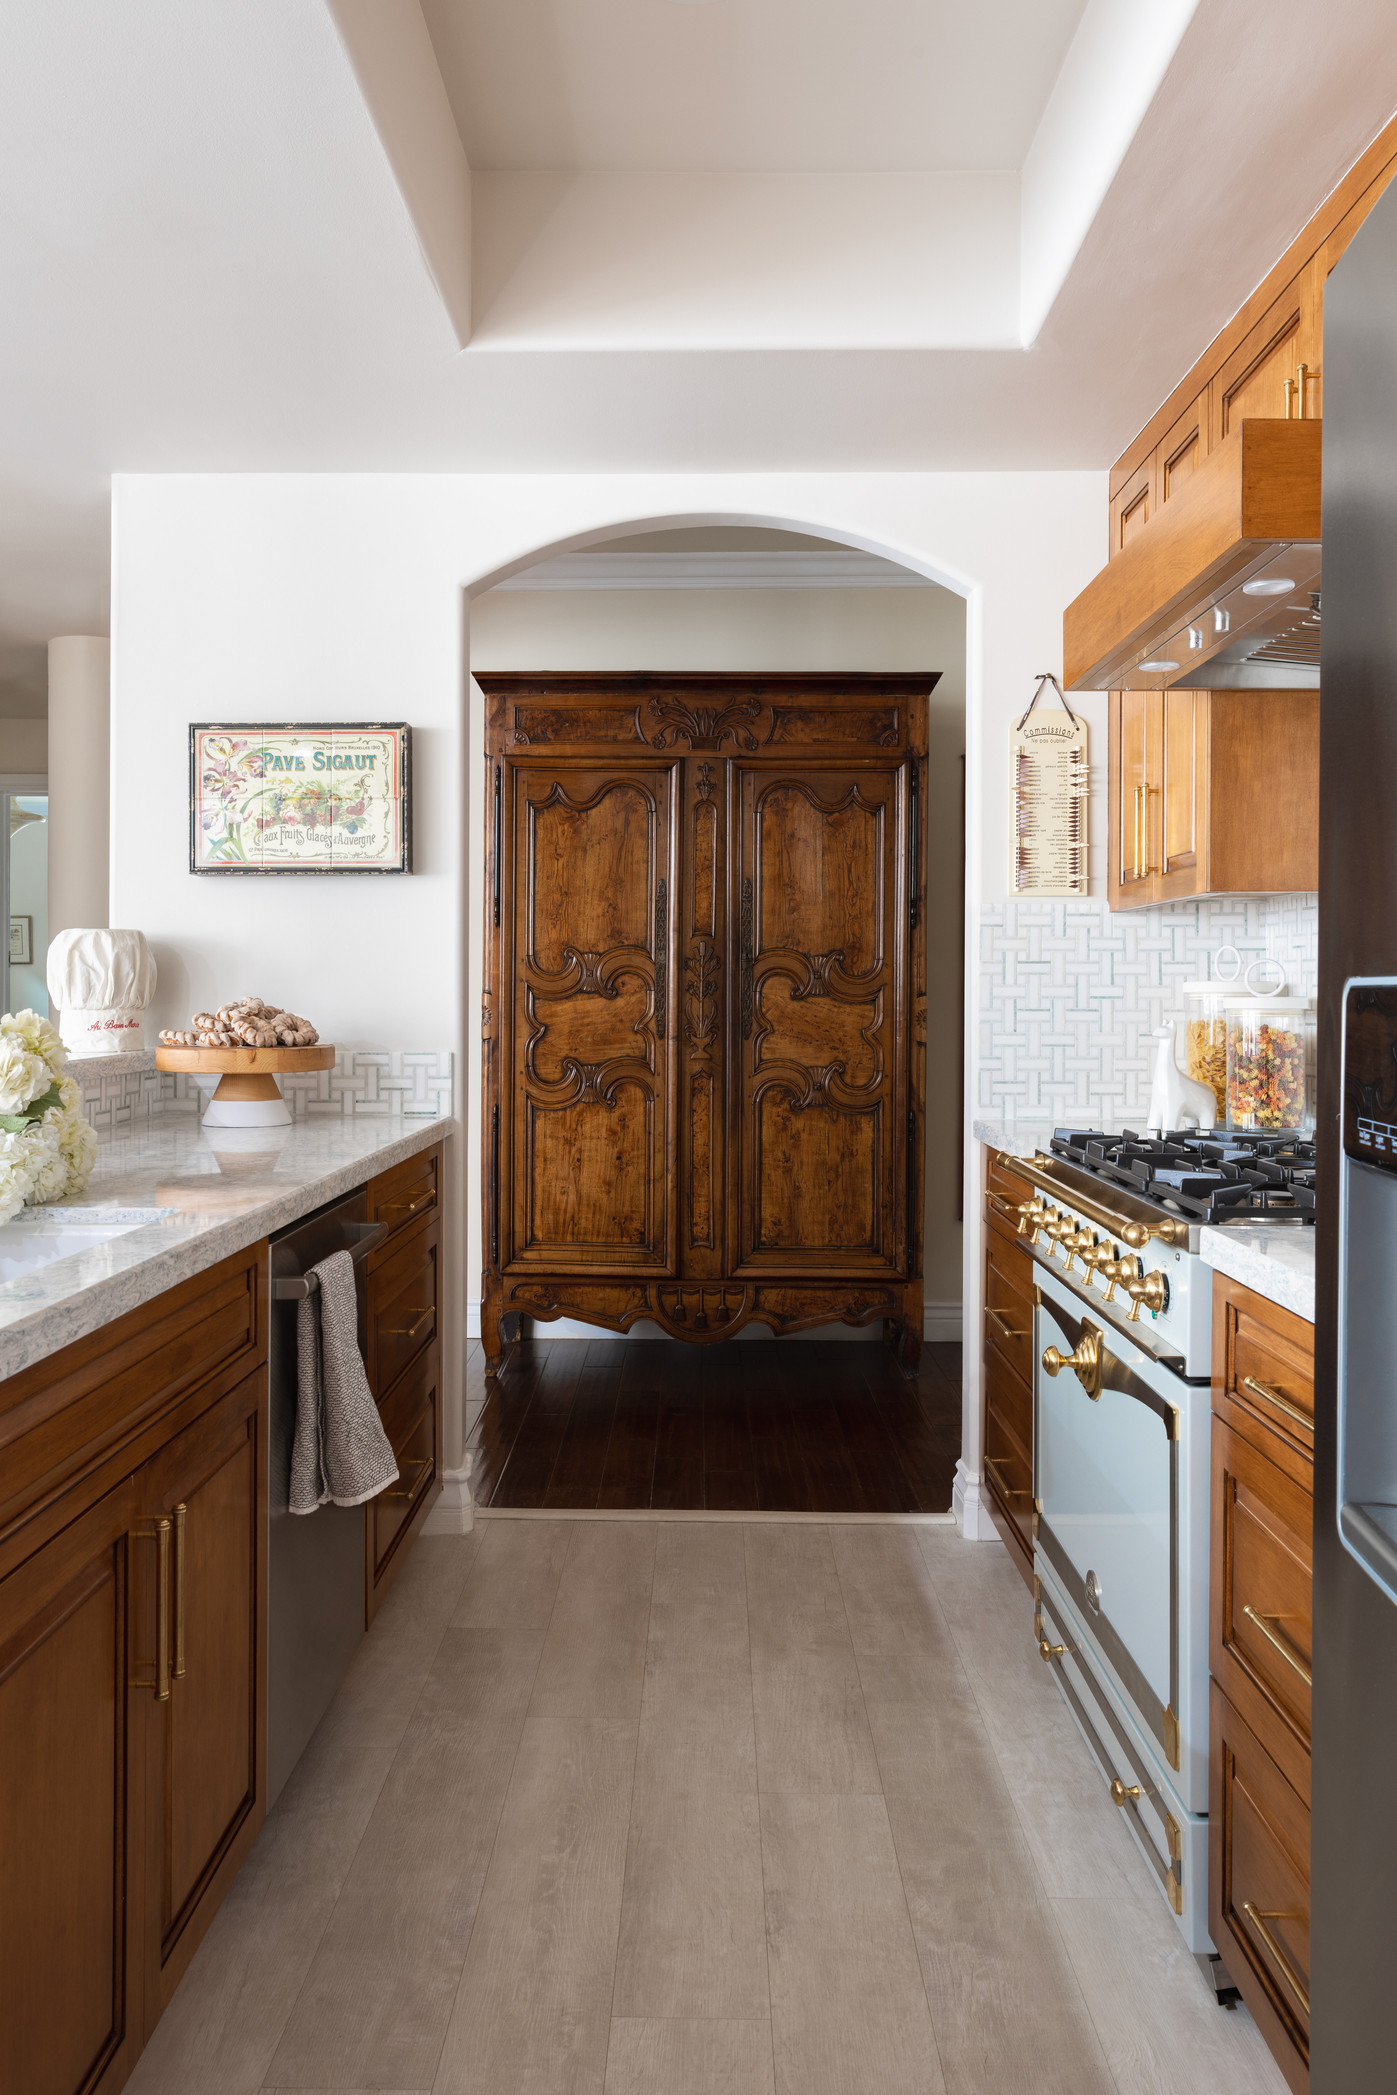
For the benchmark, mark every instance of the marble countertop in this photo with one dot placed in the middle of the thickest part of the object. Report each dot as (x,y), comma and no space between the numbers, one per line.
(1016,1138)
(1277,1263)
(220,1192)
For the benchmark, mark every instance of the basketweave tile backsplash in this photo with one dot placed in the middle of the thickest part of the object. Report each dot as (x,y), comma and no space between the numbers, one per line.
(1071,996)
(369,1082)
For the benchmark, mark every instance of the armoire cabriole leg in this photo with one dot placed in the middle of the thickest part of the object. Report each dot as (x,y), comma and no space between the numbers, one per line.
(491,1331)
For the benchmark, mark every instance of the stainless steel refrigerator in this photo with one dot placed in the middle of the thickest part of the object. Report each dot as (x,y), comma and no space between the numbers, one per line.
(1353,1968)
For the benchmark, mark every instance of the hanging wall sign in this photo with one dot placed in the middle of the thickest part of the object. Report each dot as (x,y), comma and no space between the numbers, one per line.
(326,797)
(1049,788)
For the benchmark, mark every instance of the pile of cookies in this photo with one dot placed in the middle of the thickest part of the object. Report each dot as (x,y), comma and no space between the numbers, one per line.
(247,1023)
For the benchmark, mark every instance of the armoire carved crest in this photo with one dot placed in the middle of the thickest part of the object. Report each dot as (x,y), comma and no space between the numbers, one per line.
(705,1002)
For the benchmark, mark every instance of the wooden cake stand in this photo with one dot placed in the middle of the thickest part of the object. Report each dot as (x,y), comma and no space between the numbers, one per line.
(248,1095)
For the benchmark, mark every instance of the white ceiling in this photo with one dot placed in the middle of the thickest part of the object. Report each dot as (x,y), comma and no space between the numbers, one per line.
(750,86)
(207,264)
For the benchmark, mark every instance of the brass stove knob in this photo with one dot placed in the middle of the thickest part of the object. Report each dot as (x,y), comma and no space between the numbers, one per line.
(1032,1215)
(1150,1292)
(1118,1272)
(1076,1245)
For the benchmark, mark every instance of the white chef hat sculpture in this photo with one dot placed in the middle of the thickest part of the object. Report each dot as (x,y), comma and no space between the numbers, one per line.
(102,983)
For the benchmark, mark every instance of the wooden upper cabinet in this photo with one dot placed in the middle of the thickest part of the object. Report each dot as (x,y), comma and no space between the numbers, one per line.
(1130,507)
(593,971)
(1273,372)
(819,894)
(1212,793)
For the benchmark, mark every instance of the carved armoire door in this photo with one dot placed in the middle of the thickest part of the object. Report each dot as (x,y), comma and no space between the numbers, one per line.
(705,1001)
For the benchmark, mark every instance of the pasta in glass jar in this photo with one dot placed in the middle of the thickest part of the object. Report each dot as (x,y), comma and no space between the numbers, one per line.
(1267,1063)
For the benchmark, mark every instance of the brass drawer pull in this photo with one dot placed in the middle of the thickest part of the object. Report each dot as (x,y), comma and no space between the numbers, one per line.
(159,1533)
(1279,1642)
(423,1200)
(1282,1963)
(1123,1793)
(1004,1330)
(411,1490)
(411,1330)
(996,1471)
(1273,1396)
(180,1512)
(1002,1207)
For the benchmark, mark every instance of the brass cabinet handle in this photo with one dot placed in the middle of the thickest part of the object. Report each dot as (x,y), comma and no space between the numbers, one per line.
(159,1533)
(1273,1396)
(1153,793)
(1280,1642)
(1004,1330)
(1001,1206)
(411,1490)
(1139,830)
(1086,1361)
(180,1511)
(1279,1958)
(423,1200)
(996,1471)
(1123,1793)
(411,1330)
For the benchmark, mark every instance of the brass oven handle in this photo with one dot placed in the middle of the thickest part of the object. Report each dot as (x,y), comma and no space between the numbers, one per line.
(411,1330)
(1004,1330)
(180,1510)
(996,1471)
(1124,1793)
(419,1466)
(1281,1961)
(1280,1642)
(1136,1234)
(1085,1361)
(1273,1396)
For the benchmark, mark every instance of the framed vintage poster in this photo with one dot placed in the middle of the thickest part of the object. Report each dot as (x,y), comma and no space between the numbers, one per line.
(21,941)
(321,797)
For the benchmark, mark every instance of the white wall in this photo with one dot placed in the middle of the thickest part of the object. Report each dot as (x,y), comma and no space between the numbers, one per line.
(265,597)
(888,630)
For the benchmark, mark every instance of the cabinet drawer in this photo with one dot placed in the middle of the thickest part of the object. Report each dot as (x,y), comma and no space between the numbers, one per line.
(1004,1189)
(402,1307)
(1263,1359)
(1259,1886)
(1009,1446)
(410,1421)
(1009,1399)
(1009,1306)
(1260,1613)
(405,1194)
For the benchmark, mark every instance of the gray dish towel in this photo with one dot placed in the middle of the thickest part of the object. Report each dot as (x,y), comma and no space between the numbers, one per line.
(340,1454)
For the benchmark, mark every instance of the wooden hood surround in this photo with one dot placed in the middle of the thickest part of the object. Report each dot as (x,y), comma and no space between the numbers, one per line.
(705,1002)
(1255,494)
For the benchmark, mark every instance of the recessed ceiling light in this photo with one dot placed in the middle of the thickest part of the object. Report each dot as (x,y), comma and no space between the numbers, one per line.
(1157,665)
(1273,585)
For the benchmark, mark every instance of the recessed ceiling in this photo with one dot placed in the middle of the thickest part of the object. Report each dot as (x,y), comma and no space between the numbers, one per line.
(750,86)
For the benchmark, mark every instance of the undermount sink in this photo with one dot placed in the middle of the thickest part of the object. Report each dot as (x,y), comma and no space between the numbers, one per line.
(40,1236)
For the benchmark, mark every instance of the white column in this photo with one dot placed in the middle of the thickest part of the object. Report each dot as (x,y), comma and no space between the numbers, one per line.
(79,782)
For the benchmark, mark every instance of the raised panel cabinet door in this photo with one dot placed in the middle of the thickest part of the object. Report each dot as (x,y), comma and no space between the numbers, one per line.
(820,903)
(589,964)
(205,1783)
(71,1653)
(1129,879)
(1176,797)
(701,934)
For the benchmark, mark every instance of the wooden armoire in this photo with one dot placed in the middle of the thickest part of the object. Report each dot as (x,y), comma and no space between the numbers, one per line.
(705,1002)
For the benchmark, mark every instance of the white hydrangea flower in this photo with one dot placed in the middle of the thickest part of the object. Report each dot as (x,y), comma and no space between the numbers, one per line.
(24,1076)
(17,1174)
(39,1037)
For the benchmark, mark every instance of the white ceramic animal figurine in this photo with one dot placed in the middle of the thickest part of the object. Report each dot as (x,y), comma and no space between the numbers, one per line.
(1176,1100)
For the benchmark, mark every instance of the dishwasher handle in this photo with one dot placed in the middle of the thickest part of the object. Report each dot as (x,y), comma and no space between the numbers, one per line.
(365,1235)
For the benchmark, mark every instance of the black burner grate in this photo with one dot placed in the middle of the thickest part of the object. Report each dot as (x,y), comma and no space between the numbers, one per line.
(1210,1177)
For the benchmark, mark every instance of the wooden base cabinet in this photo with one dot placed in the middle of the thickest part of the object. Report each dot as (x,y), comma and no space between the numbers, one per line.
(132,1654)
(1007,1363)
(705,1002)
(402,1352)
(1260,1656)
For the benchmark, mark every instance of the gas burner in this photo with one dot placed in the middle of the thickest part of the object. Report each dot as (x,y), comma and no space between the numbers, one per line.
(1206,1176)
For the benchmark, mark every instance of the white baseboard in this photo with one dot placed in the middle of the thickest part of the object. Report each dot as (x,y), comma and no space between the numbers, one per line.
(454,1511)
(941,1326)
(972,1515)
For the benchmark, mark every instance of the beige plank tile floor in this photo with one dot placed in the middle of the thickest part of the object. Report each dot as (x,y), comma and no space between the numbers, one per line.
(698,1809)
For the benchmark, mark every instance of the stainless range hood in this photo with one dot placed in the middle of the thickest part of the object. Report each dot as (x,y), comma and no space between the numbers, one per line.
(1221,589)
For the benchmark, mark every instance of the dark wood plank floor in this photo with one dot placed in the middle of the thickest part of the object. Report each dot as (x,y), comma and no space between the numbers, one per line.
(805,1427)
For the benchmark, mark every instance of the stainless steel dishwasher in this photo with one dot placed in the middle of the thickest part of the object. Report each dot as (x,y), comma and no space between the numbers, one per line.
(315,1561)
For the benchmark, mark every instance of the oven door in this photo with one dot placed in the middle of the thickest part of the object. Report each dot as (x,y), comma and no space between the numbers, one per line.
(1106,1494)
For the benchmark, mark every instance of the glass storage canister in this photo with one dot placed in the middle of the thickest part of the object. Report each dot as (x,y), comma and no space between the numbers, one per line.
(1269,1041)
(1205,1036)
